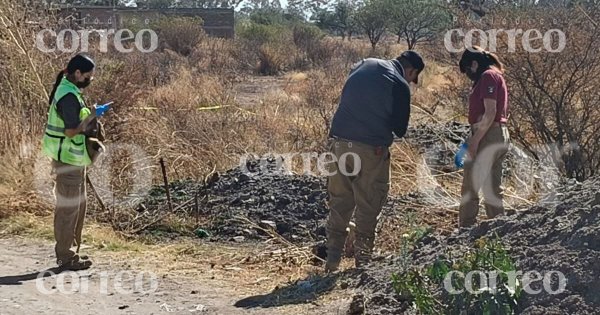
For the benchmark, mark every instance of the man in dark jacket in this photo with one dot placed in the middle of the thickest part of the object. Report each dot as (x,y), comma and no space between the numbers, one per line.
(375,105)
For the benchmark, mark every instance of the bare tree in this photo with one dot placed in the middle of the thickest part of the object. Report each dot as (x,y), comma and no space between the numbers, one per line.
(554,96)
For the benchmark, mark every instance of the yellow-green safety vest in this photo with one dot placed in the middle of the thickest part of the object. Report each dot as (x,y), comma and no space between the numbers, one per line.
(55,143)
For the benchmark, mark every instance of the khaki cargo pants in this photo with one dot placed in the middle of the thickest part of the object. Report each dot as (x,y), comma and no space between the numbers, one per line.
(70,209)
(356,189)
(484,173)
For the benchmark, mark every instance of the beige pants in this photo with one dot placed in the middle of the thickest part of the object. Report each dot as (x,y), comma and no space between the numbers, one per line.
(484,173)
(70,209)
(359,190)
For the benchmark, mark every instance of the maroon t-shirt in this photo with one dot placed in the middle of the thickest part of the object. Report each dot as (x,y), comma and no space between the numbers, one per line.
(490,85)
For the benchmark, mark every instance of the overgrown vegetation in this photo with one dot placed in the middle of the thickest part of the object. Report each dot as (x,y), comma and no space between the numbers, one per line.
(180,34)
(184,101)
(446,286)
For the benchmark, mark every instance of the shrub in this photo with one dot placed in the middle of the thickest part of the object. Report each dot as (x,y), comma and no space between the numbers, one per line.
(269,45)
(272,59)
(180,34)
(306,35)
(218,55)
(259,34)
(322,53)
(488,256)
(309,40)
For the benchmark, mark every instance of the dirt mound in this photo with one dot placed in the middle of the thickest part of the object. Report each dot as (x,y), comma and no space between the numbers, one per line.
(292,205)
(438,142)
(248,201)
(561,234)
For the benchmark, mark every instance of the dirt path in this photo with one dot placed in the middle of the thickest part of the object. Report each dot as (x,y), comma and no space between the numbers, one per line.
(21,292)
(250,92)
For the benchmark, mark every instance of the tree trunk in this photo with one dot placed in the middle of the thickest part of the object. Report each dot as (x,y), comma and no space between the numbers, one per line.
(411,43)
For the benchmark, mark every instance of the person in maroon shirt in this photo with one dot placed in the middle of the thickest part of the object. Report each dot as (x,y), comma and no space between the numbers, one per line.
(488,145)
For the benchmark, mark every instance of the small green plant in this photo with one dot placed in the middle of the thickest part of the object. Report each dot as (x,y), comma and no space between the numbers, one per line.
(478,282)
(498,292)
(413,285)
(414,233)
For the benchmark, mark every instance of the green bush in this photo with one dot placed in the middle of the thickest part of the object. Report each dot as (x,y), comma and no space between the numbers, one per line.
(305,35)
(269,45)
(259,34)
(278,47)
(488,256)
(309,40)
(274,16)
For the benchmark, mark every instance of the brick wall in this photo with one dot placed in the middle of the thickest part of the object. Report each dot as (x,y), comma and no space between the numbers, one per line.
(217,22)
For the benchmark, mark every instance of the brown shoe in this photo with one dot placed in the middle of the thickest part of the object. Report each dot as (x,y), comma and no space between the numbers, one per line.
(84,257)
(333,263)
(75,264)
(331,267)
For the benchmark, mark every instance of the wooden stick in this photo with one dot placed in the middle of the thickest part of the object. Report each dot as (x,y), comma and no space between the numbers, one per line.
(160,217)
(89,182)
(166,181)
(275,235)
(196,207)
(586,15)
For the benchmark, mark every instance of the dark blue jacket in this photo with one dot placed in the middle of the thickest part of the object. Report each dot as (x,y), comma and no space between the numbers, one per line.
(375,102)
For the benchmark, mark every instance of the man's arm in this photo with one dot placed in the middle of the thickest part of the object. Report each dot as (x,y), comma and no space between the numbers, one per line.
(401,109)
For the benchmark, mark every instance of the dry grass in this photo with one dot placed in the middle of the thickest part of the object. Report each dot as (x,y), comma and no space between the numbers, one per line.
(186,110)
(24,77)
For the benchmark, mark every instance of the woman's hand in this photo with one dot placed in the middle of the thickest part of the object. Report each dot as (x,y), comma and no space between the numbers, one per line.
(70,133)
(472,149)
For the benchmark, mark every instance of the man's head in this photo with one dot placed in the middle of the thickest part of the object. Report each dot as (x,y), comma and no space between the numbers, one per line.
(413,64)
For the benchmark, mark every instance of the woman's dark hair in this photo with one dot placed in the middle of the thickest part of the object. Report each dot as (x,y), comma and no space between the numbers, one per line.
(485,59)
(81,62)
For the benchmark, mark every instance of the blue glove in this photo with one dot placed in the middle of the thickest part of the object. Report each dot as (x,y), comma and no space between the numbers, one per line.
(100,110)
(459,158)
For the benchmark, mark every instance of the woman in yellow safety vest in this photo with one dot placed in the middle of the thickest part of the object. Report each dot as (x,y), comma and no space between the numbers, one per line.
(65,143)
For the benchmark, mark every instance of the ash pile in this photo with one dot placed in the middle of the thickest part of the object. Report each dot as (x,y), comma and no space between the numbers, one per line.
(250,202)
(262,191)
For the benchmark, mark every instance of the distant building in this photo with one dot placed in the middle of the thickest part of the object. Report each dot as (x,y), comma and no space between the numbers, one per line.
(218,22)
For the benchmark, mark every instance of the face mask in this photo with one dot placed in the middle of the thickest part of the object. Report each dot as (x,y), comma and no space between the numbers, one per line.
(472,75)
(84,84)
